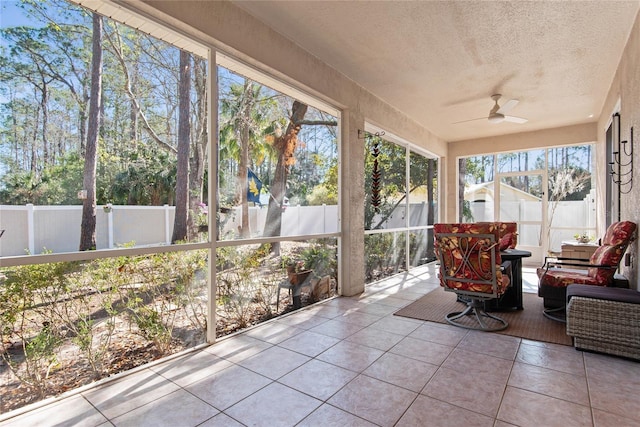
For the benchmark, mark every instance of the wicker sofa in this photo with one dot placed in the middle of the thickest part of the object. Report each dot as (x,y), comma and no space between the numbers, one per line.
(605,320)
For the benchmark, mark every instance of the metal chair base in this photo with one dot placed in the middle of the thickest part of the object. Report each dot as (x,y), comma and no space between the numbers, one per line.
(558,314)
(475,307)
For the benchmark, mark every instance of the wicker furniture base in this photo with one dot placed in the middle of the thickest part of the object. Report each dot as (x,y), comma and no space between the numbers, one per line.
(603,325)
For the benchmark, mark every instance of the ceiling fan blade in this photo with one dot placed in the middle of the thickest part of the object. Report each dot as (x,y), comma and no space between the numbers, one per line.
(513,119)
(508,106)
(470,120)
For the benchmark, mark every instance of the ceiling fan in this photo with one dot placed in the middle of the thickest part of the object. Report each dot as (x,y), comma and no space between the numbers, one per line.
(498,113)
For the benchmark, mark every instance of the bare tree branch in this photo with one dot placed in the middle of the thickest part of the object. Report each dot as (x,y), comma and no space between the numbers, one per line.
(118,51)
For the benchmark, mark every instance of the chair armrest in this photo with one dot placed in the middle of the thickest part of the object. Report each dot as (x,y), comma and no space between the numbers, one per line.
(559,260)
(573,264)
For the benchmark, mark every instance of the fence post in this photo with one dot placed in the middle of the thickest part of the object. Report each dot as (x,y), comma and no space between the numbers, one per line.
(324,217)
(167,236)
(31,234)
(110,226)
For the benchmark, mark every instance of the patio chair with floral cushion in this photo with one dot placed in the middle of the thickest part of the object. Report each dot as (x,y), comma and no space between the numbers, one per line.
(469,259)
(599,270)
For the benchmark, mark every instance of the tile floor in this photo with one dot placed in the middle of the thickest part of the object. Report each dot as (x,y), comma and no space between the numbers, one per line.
(351,362)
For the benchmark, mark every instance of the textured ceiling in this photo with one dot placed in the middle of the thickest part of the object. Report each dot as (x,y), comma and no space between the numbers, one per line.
(439,62)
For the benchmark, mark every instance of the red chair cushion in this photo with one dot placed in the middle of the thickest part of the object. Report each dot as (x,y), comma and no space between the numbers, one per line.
(605,255)
(509,232)
(507,242)
(452,259)
(561,277)
(619,233)
(610,253)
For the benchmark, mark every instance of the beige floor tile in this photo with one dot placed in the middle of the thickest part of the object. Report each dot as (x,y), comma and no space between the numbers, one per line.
(191,367)
(552,346)
(346,303)
(274,405)
(410,296)
(274,362)
(426,411)
(617,397)
(614,369)
(132,391)
(274,332)
(318,379)
(376,401)
(546,357)
(179,408)
(482,366)
(336,329)
(497,345)
(402,371)
(526,408)
(309,343)
(221,420)
(352,356)
(425,351)
(377,309)
(389,300)
(607,419)
(397,325)
(376,338)
(72,411)
(238,347)
(360,318)
(461,388)
(330,416)
(549,382)
(325,310)
(227,387)
(446,336)
(303,320)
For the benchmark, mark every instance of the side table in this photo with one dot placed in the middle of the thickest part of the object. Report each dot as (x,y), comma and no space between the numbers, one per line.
(512,298)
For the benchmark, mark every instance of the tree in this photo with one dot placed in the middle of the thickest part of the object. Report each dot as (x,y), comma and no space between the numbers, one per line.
(285,147)
(88,225)
(562,184)
(248,122)
(181,220)
(198,158)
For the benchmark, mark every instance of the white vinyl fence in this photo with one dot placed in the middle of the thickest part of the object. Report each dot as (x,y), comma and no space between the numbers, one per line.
(568,218)
(36,229)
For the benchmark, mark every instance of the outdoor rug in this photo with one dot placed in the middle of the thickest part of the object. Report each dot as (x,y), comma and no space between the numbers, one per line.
(528,323)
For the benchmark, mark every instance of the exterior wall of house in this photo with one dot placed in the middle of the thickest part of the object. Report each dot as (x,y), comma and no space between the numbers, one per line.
(626,88)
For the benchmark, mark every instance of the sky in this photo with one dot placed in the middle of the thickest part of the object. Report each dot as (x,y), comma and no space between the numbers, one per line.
(11,15)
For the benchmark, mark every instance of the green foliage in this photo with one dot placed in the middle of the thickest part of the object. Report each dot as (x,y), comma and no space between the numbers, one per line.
(321,259)
(384,255)
(27,317)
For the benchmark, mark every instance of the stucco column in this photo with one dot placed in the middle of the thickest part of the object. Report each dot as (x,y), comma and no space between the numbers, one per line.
(352,208)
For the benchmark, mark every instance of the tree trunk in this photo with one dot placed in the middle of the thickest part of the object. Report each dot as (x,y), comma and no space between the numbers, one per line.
(46,159)
(285,146)
(181,221)
(197,161)
(88,225)
(243,164)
